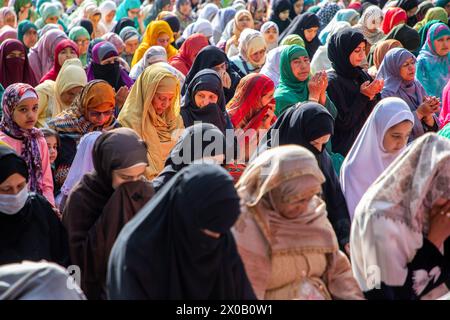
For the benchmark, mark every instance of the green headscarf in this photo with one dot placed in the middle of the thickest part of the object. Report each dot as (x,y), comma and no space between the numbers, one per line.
(433,14)
(445,131)
(124,7)
(290,90)
(23,27)
(441,3)
(74,34)
(293,39)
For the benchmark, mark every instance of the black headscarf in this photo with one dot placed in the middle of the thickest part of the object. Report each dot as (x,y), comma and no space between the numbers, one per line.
(163,254)
(173,22)
(301,124)
(187,150)
(214,113)
(278,7)
(408,37)
(408,5)
(340,47)
(11,163)
(87,24)
(122,23)
(299,25)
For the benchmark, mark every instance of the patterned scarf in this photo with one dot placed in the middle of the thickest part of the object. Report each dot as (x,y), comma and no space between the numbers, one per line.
(29,137)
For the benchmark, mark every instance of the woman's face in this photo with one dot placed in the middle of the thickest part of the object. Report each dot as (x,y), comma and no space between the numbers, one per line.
(412,12)
(52,144)
(408,70)
(133,13)
(13,184)
(396,137)
(99,118)
(284,15)
(95,19)
(258,56)
(358,55)
(53,20)
(442,46)
(301,68)
(244,22)
(186,8)
(298,7)
(10,20)
(447,8)
(267,98)
(292,209)
(320,142)
(131,46)
(83,44)
(220,68)
(68,96)
(311,33)
(203,98)
(259,14)
(16,54)
(66,54)
(270,35)
(110,16)
(122,176)
(25,115)
(163,40)
(162,101)
(30,38)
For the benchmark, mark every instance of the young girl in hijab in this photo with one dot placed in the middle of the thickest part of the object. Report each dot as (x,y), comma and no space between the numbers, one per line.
(196,211)
(158,33)
(183,10)
(130,37)
(350,88)
(17,129)
(296,83)
(27,34)
(81,37)
(92,215)
(57,96)
(433,62)
(258,9)
(271,34)
(310,125)
(185,57)
(108,10)
(105,66)
(92,110)
(393,17)
(400,231)
(382,139)
(370,24)
(41,56)
(242,20)
(14,64)
(307,26)
(152,109)
(280,14)
(398,71)
(252,52)
(286,242)
(204,101)
(65,50)
(29,228)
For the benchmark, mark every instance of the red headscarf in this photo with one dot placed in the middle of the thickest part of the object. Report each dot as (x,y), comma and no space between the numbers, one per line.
(185,57)
(245,108)
(15,70)
(53,73)
(393,17)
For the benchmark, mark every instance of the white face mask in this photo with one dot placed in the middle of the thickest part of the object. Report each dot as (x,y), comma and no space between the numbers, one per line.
(12,203)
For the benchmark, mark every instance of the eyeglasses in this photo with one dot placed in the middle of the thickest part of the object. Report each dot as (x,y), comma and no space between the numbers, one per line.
(97,114)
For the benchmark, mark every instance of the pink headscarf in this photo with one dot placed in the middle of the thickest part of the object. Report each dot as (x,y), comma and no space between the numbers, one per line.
(41,56)
(7,32)
(4,12)
(444,117)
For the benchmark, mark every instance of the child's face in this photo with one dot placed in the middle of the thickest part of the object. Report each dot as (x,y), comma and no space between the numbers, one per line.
(25,115)
(52,145)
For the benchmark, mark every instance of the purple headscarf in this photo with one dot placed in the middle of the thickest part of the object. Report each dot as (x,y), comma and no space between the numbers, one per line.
(29,137)
(114,74)
(412,92)
(41,56)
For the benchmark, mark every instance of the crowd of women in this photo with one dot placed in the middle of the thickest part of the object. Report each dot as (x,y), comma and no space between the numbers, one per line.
(218,149)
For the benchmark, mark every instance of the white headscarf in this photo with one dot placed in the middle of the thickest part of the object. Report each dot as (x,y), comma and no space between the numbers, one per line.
(393,218)
(208,12)
(105,8)
(371,20)
(202,26)
(251,41)
(153,55)
(367,158)
(272,66)
(266,26)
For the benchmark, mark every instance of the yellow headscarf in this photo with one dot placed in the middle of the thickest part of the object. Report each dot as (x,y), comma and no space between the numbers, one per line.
(159,132)
(236,31)
(70,76)
(154,29)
